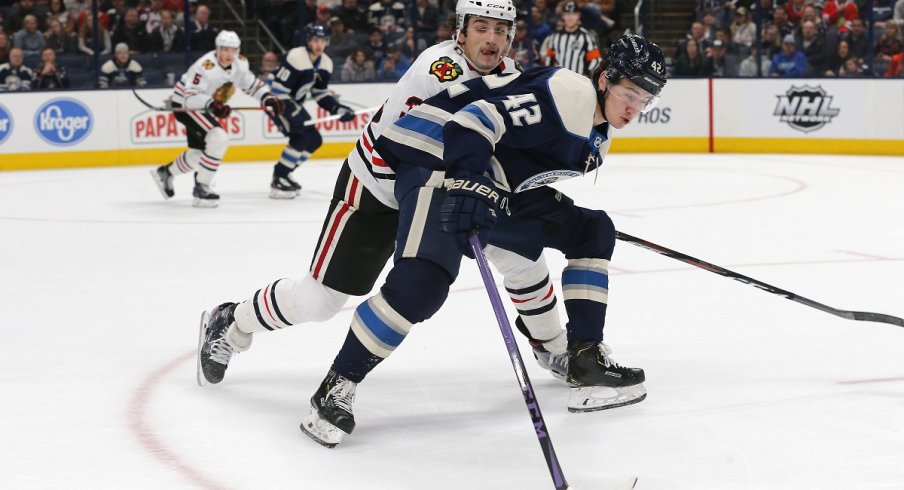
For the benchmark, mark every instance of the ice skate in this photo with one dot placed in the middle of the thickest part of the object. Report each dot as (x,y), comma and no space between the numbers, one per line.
(218,339)
(205,197)
(284,186)
(330,417)
(556,364)
(598,382)
(164,180)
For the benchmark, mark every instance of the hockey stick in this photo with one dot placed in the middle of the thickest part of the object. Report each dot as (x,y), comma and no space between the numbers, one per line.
(850,315)
(518,364)
(170,109)
(337,116)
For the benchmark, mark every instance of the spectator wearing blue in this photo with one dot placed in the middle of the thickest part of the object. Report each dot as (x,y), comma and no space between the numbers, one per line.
(29,39)
(393,66)
(121,71)
(539,29)
(790,62)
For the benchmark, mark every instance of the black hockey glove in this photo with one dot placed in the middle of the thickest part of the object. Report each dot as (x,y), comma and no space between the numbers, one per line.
(273,104)
(346,113)
(471,204)
(218,109)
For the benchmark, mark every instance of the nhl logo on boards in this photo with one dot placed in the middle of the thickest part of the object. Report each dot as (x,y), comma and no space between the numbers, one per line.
(445,70)
(805,108)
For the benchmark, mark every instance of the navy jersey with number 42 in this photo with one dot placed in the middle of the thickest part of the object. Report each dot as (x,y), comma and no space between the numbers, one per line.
(524,130)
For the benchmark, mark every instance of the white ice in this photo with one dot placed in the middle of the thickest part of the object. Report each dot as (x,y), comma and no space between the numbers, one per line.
(102,284)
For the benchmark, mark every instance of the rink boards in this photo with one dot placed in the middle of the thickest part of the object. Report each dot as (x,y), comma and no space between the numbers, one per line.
(99,128)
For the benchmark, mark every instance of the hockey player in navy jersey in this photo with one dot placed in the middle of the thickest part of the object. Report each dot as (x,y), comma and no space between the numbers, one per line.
(305,70)
(476,158)
(359,230)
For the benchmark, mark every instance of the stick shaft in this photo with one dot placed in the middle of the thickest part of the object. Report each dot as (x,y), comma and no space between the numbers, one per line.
(555,471)
(702,264)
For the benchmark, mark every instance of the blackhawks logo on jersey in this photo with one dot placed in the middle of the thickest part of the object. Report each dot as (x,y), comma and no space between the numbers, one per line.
(224,93)
(445,70)
(208,65)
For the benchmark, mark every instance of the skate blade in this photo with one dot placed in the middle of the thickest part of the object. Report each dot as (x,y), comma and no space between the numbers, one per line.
(321,431)
(595,398)
(159,184)
(277,194)
(205,203)
(202,334)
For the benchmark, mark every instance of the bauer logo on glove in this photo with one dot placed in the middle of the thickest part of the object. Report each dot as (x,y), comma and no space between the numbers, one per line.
(476,187)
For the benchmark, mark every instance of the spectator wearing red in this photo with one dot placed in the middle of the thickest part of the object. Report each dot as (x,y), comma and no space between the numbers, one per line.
(795,11)
(895,66)
(838,12)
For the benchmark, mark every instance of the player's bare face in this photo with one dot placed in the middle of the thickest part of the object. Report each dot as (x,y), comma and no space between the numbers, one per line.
(316,46)
(226,55)
(485,42)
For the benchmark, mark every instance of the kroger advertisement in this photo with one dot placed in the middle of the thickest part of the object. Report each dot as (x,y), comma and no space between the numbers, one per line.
(92,128)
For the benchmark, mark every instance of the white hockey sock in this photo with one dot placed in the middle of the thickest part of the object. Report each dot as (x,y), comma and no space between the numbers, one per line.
(288,302)
(207,168)
(186,162)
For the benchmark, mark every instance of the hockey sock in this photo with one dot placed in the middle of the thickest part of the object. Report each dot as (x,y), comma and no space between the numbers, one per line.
(186,162)
(585,288)
(288,160)
(288,302)
(536,304)
(207,168)
(414,290)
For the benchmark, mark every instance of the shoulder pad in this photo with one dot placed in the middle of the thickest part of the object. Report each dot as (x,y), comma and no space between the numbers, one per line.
(374,7)
(108,66)
(134,66)
(575,98)
(326,63)
(298,59)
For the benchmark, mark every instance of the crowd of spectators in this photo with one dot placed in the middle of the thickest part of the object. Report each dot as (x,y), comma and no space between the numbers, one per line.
(797,38)
(50,43)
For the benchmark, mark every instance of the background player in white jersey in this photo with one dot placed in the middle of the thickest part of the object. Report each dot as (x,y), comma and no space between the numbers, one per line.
(359,231)
(306,70)
(205,89)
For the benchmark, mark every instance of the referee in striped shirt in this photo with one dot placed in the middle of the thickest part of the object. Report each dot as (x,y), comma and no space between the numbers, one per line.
(573,47)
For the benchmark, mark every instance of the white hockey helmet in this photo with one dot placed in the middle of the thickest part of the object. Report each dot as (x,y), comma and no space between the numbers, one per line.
(228,39)
(494,9)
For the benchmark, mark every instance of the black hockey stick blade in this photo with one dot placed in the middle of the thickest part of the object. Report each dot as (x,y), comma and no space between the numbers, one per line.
(864,316)
(146,103)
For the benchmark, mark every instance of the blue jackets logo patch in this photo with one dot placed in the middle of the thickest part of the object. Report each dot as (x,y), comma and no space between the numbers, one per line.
(546,178)
(6,124)
(63,122)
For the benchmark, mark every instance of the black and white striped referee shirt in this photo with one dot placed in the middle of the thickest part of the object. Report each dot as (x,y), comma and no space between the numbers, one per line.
(576,50)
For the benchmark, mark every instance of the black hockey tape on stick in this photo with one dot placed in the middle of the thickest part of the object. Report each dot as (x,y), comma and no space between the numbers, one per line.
(864,316)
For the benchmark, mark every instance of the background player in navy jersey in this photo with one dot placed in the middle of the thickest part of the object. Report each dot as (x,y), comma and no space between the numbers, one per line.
(359,230)
(477,158)
(305,70)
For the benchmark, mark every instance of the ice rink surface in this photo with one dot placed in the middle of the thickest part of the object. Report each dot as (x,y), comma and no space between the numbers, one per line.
(103,284)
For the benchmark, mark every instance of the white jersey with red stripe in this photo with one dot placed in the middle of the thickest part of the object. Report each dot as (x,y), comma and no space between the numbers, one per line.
(436,69)
(206,79)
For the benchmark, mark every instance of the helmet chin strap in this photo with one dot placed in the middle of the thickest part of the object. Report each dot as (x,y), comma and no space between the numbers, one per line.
(601,102)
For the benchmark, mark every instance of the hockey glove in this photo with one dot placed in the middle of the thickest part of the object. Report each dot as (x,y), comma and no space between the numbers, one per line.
(470,204)
(273,104)
(218,109)
(346,113)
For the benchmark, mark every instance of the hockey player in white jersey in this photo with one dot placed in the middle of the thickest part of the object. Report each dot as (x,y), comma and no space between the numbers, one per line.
(306,70)
(205,89)
(359,231)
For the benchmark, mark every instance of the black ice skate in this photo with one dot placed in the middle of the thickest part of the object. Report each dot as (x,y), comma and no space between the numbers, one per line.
(557,365)
(218,339)
(331,417)
(598,381)
(164,180)
(284,186)
(205,197)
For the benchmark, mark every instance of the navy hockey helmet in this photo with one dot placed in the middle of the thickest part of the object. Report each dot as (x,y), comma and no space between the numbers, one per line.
(638,60)
(317,30)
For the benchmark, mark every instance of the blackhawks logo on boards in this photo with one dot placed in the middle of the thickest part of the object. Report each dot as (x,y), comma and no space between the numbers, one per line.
(445,70)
